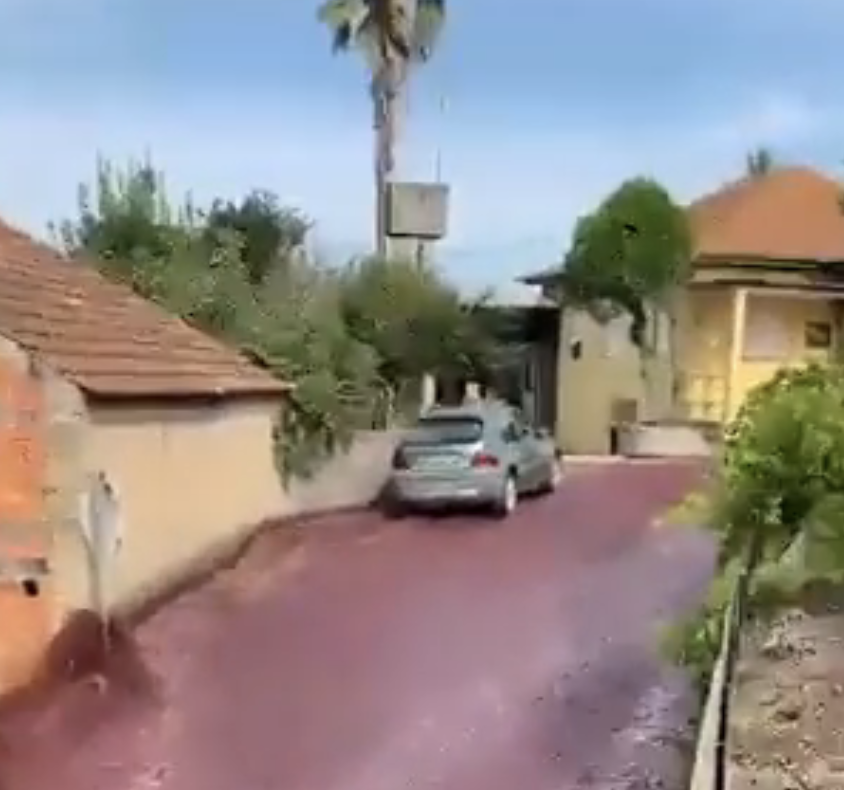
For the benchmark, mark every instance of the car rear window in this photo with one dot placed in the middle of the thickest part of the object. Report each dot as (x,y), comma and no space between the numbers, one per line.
(446,430)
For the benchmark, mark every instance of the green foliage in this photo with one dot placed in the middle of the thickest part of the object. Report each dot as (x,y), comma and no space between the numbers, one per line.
(629,253)
(412,318)
(379,28)
(348,340)
(783,482)
(784,457)
(269,233)
(695,641)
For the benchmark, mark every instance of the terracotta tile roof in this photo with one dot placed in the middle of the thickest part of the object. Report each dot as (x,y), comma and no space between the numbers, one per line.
(106,339)
(790,214)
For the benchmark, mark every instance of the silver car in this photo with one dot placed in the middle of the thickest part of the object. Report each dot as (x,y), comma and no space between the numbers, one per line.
(478,454)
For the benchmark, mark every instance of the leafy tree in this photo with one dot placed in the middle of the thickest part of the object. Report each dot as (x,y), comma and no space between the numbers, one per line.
(784,457)
(231,272)
(413,319)
(392,36)
(270,233)
(239,271)
(629,256)
(779,507)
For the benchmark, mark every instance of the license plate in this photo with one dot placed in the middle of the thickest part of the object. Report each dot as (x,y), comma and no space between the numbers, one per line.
(441,462)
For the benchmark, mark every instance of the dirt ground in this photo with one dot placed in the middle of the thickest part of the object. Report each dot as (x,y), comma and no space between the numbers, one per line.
(455,653)
(788,712)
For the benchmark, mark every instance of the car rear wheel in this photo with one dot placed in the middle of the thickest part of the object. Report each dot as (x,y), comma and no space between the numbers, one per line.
(555,477)
(509,497)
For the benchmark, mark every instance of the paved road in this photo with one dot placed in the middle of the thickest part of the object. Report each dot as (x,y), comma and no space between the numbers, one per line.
(457,653)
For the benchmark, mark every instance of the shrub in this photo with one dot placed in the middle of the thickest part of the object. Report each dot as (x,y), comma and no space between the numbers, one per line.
(782,488)
(784,457)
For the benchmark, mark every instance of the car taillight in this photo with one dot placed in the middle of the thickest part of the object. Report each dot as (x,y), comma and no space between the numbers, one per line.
(484,460)
(399,460)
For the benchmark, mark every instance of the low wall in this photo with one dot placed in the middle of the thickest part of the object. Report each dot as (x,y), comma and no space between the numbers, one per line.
(349,479)
(703,770)
(670,440)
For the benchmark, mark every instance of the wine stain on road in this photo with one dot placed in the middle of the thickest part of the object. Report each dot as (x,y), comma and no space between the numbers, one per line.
(456,653)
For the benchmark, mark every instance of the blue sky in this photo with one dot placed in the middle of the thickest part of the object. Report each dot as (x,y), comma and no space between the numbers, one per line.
(546,109)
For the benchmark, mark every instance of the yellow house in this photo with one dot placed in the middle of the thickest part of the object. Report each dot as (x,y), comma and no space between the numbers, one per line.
(767,287)
(765,293)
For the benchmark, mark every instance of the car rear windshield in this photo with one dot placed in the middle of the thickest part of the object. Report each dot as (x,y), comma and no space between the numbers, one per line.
(447,430)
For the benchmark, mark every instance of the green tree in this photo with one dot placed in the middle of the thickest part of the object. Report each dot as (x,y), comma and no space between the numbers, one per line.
(392,36)
(411,316)
(630,256)
(270,233)
(231,271)
(238,270)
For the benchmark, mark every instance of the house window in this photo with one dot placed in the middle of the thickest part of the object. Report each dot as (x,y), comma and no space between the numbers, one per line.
(766,336)
(818,335)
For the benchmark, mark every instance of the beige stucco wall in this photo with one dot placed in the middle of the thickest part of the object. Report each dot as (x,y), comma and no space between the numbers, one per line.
(608,369)
(349,478)
(193,480)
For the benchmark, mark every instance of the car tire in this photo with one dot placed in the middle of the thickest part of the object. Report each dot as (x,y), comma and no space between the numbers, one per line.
(555,476)
(394,509)
(508,499)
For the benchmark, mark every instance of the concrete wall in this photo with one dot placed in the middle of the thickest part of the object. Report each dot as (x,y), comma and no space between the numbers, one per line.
(192,479)
(703,769)
(609,369)
(349,479)
(194,482)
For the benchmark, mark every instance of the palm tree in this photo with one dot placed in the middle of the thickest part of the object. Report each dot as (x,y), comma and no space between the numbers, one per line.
(392,36)
(760,162)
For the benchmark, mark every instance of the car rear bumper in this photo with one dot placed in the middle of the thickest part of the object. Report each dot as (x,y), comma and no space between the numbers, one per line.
(418,490)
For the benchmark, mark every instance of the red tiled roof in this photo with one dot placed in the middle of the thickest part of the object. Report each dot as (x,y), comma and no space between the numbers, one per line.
(789,214)
(105,338)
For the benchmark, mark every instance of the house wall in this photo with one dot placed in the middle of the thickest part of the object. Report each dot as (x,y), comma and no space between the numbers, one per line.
(706,358)
(608,370)
(774,337)
(25,621)
(192,479)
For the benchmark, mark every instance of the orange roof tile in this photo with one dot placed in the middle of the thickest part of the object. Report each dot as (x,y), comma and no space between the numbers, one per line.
(790,214)
(106,339)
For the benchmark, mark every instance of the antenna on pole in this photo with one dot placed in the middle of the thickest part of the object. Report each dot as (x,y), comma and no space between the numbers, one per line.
(438,156)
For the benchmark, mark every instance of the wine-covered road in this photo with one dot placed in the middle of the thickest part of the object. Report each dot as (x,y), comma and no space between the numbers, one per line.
(458,653)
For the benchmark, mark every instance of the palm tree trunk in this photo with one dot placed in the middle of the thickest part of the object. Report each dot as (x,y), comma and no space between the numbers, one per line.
(382,172)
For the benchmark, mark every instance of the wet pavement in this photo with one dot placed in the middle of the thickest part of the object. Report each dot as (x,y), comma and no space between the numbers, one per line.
(456,653)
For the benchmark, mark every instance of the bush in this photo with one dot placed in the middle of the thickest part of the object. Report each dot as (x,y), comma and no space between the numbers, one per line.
(781,487)
(349,341)
(784,457)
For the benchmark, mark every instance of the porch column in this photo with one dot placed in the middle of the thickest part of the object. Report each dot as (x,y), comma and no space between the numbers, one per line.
(738,323)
